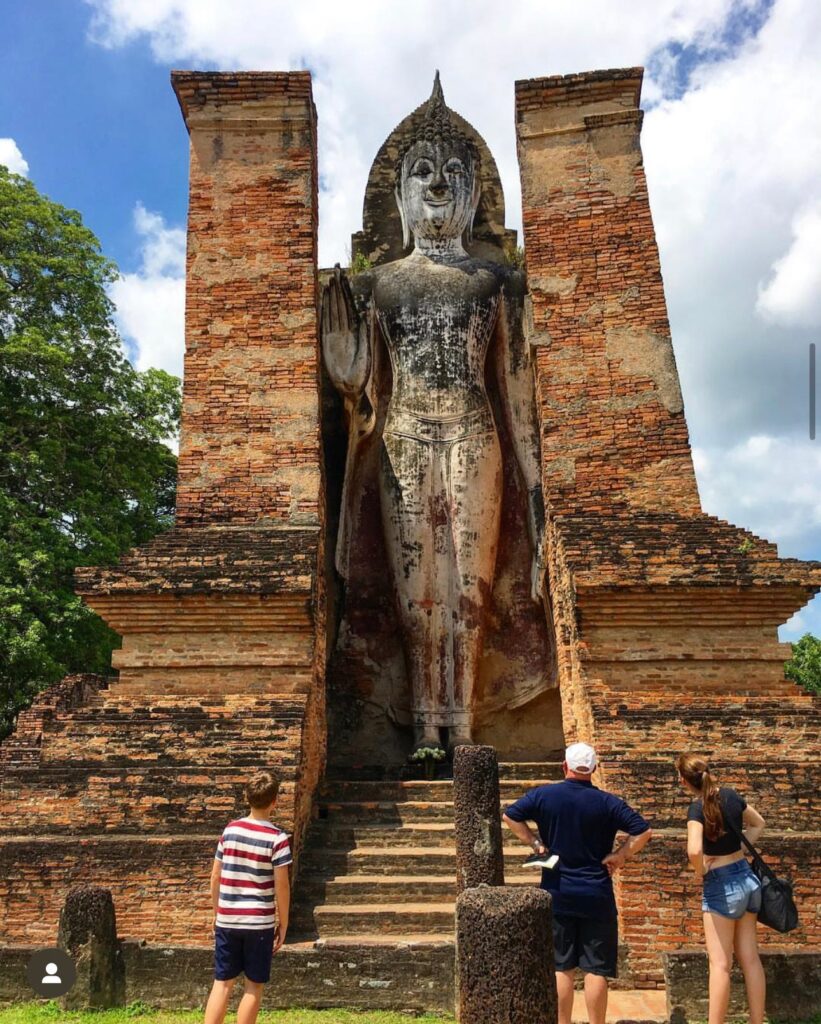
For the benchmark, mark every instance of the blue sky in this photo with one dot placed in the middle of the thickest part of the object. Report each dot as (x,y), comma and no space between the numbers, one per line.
(731,139)
(99,128)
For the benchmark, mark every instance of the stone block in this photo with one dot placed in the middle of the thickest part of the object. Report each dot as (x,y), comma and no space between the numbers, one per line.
(477,819)
(793,986)
(504,957)
(88,933)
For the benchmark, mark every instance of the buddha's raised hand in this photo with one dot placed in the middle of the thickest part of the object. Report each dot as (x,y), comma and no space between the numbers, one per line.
(344,341)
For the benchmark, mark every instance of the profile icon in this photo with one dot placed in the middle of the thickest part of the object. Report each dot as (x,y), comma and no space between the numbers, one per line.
(51,973)
(51,976)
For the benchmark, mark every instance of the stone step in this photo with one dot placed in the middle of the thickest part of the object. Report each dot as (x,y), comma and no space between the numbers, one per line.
(331,835)
(412,790)
(385,918)
(549,768)
(327,863)
(390,831)
(388,812)
(388,888)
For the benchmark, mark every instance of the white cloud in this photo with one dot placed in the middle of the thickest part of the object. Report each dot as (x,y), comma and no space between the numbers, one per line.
(150,304)
(772,486)
(793,294)
(732,146)
(808,620)
(372,64)
(12,158)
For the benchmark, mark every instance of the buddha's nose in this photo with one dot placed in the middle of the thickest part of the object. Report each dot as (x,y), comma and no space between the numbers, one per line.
(438,185)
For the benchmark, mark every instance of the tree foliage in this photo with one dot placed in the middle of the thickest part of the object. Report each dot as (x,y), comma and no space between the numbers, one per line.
(804,667)
(84,470)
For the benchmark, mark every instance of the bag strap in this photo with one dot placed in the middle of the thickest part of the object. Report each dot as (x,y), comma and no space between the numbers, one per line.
(765,867)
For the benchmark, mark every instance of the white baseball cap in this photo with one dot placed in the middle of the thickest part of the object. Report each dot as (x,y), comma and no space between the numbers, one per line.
(580,757)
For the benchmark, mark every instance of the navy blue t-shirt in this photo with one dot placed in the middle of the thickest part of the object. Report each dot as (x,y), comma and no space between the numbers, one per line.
(578,822)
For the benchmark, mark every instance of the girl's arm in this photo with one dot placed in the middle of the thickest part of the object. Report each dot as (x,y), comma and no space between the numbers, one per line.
(695,846)
(753,823)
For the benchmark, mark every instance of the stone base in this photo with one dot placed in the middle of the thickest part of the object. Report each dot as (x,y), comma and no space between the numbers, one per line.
(417,977)
(793,986)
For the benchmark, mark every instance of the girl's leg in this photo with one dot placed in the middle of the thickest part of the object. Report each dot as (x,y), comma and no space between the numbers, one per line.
(746,952)
(719,933)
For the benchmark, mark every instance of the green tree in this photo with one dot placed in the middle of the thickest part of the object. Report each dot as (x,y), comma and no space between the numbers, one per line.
(84,470)
(804,667)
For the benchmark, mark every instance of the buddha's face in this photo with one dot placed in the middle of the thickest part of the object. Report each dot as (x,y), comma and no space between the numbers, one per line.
(438,194)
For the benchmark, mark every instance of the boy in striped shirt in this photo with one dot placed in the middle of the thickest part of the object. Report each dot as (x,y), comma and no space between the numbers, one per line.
(251,892)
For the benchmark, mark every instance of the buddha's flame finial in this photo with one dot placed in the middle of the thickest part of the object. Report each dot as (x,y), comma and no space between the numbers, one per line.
(437,115)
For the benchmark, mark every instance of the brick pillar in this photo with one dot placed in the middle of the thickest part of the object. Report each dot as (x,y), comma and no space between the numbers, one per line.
(612,418)
(250,440)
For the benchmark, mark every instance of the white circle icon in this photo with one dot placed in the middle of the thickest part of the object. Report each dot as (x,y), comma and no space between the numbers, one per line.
(52,977)
(51,972)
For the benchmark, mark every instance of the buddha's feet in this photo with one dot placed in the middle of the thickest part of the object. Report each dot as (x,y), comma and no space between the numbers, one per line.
(425,739)
(459,738)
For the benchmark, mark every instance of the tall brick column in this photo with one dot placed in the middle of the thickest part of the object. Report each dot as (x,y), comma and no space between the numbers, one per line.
(666,619)
(222,618)
(613,428)
(250,445)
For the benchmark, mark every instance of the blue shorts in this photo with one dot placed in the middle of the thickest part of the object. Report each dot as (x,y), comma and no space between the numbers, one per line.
(245,951)
(731,891)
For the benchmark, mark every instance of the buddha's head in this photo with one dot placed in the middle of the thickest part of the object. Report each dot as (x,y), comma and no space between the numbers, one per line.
(437,186)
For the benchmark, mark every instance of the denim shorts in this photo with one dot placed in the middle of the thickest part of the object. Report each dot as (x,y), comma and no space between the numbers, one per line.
(731,891)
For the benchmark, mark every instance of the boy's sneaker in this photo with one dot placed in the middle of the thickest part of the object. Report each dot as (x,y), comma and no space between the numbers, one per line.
(548,861)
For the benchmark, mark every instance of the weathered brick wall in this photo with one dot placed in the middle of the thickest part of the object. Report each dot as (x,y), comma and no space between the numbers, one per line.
(131,791)
(613,427)
(223,618)
(666,619)
(250,439)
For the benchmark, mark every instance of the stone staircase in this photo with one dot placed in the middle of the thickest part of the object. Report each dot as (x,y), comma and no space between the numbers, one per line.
(379,865)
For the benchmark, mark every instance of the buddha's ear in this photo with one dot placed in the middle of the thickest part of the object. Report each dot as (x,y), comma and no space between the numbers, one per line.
(405,232)
(474,201)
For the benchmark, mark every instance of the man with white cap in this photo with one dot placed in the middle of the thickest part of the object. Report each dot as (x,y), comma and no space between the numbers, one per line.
(578,824)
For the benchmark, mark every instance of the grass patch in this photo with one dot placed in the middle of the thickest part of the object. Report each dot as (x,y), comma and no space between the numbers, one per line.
(139,1013)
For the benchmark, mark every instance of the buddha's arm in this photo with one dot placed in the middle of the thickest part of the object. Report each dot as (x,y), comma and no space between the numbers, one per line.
(345,342)
(515,377)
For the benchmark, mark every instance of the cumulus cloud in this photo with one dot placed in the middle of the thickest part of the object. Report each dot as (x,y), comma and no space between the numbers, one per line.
(772,486)
(12,158)
(371,67)
(150,303)
(732,146)
(792,296)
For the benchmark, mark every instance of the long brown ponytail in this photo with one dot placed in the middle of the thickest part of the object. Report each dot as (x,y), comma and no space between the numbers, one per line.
(696,772)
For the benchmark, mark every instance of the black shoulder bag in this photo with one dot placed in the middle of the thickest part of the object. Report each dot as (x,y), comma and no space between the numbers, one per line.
(778,909)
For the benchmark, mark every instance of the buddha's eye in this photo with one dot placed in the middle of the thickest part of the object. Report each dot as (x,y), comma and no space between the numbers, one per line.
(423,169)
(454,167)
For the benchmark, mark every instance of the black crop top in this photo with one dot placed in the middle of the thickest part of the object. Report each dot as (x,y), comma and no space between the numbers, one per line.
(732,809)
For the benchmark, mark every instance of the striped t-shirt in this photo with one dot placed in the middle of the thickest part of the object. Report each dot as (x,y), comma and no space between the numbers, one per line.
(249,849)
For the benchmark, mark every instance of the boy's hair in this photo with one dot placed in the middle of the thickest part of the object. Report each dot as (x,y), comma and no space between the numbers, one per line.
(261,789)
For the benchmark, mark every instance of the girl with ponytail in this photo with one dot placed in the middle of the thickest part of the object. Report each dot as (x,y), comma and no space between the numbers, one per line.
(731,896)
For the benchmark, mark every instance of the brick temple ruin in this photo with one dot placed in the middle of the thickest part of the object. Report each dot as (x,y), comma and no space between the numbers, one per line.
(238,640)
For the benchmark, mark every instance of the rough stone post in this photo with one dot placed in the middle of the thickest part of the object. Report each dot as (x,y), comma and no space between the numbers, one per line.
(88,933)
(477,817)
(504,957)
